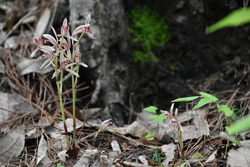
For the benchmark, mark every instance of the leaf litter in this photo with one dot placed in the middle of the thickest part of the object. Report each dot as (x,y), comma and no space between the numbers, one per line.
(31,131)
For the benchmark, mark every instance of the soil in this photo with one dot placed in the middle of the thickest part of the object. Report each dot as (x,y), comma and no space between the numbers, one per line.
(206,62)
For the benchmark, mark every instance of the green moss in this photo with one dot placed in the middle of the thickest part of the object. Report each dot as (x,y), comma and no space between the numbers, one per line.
(149,30)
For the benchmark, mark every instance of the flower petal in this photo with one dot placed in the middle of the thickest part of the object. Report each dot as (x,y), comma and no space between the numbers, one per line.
(72,72)
(171,110)
(34,52)
(50,38)
(78,30)
(88,19)
(46,48)
(83,64)
(90,35)
(54,31)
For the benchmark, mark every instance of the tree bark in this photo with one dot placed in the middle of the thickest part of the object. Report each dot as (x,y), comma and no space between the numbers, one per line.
(108,55)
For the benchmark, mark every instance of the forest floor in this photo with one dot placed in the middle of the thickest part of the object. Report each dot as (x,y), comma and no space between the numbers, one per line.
(32,131)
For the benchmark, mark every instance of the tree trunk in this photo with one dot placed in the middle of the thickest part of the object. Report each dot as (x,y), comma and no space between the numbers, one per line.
(108,55)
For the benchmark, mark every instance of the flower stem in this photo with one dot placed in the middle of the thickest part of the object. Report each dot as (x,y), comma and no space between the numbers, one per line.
(59,84)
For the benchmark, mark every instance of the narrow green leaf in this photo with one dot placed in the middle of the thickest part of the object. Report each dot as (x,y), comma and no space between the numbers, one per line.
(158,118)
(185,99)
(151,109)
(236,18)
(235,142)
(227,111)
(151,133)
(197,155)
(239,126)
(202,102)
(209,96)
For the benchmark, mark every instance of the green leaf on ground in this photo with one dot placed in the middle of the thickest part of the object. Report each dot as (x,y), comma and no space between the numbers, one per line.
(158,118)
(185,99)
(202,102)
(239,126)
(209,96)
(236,18)
(227,111)
(235,142)
(151,133)
(151,109)
(197,155)
(59,165)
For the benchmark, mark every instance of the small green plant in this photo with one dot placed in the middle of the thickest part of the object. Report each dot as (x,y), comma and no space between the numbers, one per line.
(157,157)
(206,98)
(166,115)
(172,65)
(149,30)
(240,126)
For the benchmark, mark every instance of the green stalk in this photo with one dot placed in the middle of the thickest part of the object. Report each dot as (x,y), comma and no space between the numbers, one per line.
(180,140)
(74,81)
(59,84)
(79,38)
(74,84)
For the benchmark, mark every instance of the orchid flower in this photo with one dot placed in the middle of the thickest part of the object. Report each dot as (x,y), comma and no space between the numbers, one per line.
(105,124)
(51,39)
(64,65)
(50,58)
(78,60)
(40,46)
(84,28)
(173,119)
(64,28)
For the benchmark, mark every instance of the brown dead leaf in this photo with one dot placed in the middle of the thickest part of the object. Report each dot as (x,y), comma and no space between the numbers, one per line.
(12,144)
(239,157)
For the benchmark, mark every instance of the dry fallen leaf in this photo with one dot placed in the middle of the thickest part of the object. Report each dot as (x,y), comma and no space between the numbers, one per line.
(169,151)
(86,158)
(200,126)
(69,123)
(12,144)
(42,157)
(43,21)
(144,118)
(136,129)
(239,157)
(26,66)
(12,104)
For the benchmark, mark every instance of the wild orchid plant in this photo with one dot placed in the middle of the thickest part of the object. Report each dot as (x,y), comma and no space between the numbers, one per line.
(64,47)
(173,121)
